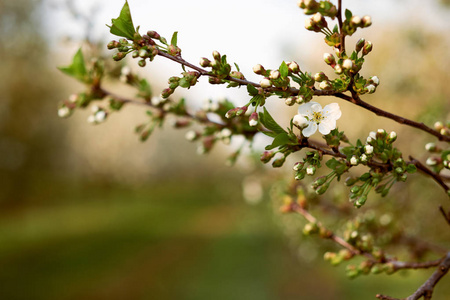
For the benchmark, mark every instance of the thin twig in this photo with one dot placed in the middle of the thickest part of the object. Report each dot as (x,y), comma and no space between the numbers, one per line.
(430,173)
(446,215)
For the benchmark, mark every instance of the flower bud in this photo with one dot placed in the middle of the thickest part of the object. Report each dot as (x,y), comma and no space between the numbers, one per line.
(391,137)
(367,48)
(366,21)
(351,181)
(274,74)
(141,63)
(354,160)
(241,110)
(119,56)
(329,59)
(166,93)
(298,166)
(192,135)
(265,83)
(368,149)
(375,80)
(293,67)
(267,156)
(322,189)
(430,147)
(231,113)
(360,201)
(153,34)
(438,126)
(64,112)
(216,55)
(371,88)
(310,170)
(355,21)
(325,85)
(277,163)
(319,77)
(204,62)
(259,69)
(359,44)
(363,157)
(338,69)
(253,120)
(290,101)
(300,121)
(348,64)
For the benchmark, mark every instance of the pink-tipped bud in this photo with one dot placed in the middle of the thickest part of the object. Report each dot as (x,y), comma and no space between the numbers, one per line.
(216,55)
(329,59)
(367,48)
(274,74)
(359,44)
(204,62)
(293,67)
(253,120)
(267,156)
(366,21)
(259,69)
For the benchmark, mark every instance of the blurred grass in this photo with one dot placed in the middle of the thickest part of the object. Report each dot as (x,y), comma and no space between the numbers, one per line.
(175,239)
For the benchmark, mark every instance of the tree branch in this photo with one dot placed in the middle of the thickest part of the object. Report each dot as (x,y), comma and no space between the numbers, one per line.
(430,173)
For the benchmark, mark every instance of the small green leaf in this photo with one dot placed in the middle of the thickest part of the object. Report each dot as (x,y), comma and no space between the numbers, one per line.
(284,70)
(123,25)
(348,14)
(252,90)
(279,140)
(332,163)
(270,123)
(411,168)
(174,39)
(336,29)
(77,69)
(333,40)
(237,67)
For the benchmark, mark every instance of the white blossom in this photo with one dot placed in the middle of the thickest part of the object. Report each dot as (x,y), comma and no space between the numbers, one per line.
(363,158)
(314,117)
(370,88)
(368,149)
(191,135)
(310,170)
(225,133)
(375,80)
(265,83)
(354,160)
(347,64)
(63,112)
(100,116)
(431,161)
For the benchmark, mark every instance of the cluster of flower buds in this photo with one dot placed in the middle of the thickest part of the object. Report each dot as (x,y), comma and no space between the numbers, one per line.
(324,7)
(316,23)
(372,84)
(442,128)
(441,157)
(308,166)
(98,115)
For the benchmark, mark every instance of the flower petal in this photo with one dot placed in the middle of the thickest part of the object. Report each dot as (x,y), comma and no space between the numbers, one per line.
(308,131)
(325,127)
(305,109)
(332,111)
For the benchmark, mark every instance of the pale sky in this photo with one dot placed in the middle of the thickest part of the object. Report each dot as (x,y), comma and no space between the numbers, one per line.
(248,31)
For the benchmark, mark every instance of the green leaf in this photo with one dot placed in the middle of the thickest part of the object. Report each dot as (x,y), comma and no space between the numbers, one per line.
(333,40)
(348,14)
(336,29)
(77,69)
(284,70)
(252,90)
(411,168)
(332,163)
(123,25)
(270,123)
(279,140)
(173,41)
(237,67)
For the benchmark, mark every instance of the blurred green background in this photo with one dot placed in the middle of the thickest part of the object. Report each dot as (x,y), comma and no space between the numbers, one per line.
(91,213)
